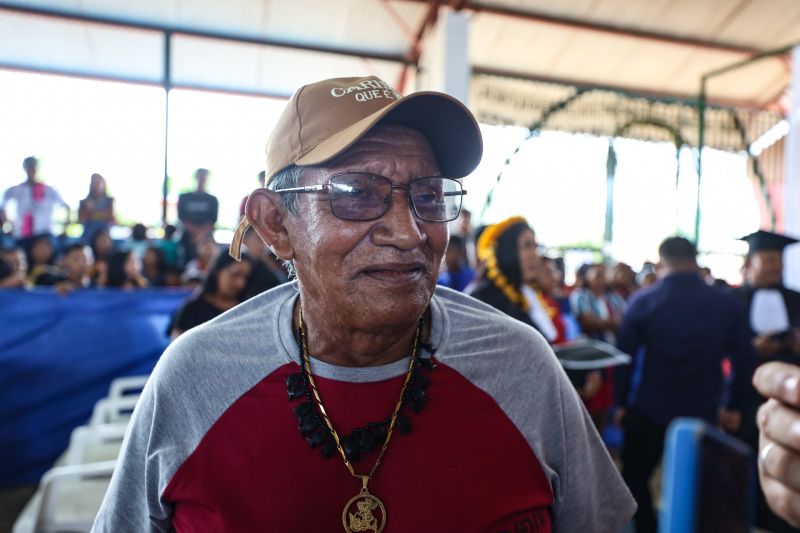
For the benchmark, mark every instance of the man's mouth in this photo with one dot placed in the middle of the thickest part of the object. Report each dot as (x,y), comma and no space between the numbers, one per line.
(395,272)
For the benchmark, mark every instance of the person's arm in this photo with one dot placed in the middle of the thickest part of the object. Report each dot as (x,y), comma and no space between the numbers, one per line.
(133,500)
(779,446)
(3,201)
(64,204)
(628,341)
(182,208)
(215,211)
(743,359)
(588,320)
(590,496)
(110,217)
(84,211)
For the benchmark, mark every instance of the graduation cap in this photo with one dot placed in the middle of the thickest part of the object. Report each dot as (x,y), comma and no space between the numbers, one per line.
(766,240)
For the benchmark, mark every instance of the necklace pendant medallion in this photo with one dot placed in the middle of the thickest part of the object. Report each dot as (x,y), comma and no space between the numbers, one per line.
(364,512)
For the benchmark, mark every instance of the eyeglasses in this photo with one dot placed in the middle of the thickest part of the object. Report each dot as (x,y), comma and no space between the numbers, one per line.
(361,196)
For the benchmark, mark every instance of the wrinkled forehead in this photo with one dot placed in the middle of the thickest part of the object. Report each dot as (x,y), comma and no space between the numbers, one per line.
(385,145)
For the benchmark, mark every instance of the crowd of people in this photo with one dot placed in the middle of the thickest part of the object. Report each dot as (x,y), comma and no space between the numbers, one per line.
(363,302)
(186,256)
(695,340)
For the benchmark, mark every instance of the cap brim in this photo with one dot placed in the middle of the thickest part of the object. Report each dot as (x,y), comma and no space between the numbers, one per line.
(448,125)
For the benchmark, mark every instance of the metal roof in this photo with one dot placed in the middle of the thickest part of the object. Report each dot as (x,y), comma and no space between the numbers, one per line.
(520,50)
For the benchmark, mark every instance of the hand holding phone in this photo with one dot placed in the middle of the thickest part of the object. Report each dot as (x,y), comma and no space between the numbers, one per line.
(779,446)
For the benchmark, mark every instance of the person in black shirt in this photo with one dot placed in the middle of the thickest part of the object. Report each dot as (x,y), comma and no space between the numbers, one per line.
(682,330)
(773,313)
(224,288)
(198,212)
(267,271)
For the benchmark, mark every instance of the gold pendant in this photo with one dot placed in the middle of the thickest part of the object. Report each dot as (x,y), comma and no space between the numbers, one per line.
(364,512)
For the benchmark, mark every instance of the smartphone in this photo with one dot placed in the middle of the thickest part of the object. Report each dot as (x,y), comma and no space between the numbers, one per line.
(708,483)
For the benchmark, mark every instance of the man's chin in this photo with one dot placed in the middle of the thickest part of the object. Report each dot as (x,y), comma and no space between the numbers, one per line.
(397,302)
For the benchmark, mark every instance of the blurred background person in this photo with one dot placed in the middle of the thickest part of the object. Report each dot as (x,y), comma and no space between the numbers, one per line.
(548,279)
(598,311)
(773,323)
(197,211)
(102,247)
(13,268)
(207,250)
(154,266)
(457,273)
(623,280)
(74,265)
(224,287)
(139,241)
(123,271)
(41,255)
(509,253)
(267,272)
(680,331)
(463,228)
(647,275)
(169,246)
(96,211)
(34,202)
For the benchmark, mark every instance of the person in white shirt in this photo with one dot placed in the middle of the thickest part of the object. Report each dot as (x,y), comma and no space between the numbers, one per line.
(34,203)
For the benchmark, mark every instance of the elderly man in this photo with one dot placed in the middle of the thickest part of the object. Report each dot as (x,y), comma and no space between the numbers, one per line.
(355,398)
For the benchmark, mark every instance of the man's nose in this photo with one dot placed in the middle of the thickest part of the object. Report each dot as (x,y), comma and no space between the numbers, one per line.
(399,226)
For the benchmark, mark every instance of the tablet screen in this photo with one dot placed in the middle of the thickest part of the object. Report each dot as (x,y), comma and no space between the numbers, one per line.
(724,497)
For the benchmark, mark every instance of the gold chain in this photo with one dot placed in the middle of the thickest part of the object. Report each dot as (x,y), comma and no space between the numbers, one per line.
(304,353)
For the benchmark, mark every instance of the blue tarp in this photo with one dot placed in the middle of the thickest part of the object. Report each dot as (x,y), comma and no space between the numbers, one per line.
(58,355)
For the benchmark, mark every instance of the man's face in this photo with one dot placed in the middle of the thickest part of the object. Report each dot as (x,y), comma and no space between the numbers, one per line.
(765,268)
(370,273)
(30,169)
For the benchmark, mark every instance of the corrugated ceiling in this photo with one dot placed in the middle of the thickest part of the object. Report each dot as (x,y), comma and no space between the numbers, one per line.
(654,48)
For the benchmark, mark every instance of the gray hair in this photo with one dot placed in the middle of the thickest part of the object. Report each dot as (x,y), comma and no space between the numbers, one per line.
(287,178)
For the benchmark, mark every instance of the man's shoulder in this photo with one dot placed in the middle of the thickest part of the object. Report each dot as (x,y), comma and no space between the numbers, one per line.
(245,339)
(476,330)
(16,189)
(463,308)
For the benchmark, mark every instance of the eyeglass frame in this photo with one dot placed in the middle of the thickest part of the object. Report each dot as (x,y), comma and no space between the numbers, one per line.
(327,187)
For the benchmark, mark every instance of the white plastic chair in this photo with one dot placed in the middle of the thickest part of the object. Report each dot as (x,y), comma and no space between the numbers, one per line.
(113,410)
(94,443)
(67,500)
(127,386)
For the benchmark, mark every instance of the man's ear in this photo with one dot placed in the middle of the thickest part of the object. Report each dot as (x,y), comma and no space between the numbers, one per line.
(268,216)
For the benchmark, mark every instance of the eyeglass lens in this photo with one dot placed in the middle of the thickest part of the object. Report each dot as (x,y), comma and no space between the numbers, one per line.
(367,197)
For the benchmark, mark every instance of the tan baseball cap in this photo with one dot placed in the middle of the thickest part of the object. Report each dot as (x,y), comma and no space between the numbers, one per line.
(325,118)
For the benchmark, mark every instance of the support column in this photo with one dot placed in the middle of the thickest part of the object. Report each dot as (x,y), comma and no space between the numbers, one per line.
(791,195)
(444,64)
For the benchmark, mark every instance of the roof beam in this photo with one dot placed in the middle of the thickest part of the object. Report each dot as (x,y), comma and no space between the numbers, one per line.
(631,91)
(194,32)
(623,31)
(94,76)
(415,50)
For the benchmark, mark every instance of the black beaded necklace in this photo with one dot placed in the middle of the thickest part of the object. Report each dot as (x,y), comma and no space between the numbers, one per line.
(365,439)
